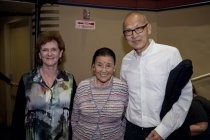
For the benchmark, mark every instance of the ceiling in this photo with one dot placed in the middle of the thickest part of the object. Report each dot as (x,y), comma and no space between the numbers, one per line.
(25,7)
(15,8)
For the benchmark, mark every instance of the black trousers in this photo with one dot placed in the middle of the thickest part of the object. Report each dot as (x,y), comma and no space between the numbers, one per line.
(134,132)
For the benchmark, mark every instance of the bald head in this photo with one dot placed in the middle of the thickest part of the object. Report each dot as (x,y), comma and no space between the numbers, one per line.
(137,30)
(134,17)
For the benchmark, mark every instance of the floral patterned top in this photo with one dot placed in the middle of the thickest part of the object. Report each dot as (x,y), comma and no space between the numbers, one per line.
(42,112)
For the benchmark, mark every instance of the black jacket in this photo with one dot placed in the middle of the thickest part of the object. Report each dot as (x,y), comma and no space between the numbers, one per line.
(177,80)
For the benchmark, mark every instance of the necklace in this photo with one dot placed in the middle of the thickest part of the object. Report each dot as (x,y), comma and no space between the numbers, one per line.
(100,96)
(48,76)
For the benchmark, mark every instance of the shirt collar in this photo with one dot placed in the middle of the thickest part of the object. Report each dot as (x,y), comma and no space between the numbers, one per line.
(147,51)
(60,77)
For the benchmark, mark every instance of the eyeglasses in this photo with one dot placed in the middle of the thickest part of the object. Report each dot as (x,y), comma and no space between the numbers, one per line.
(137,30)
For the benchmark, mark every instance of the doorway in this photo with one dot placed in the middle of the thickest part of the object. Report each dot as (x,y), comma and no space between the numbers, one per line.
(18,58)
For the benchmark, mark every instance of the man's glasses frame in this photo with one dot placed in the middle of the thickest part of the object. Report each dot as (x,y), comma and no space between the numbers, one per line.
(137,30)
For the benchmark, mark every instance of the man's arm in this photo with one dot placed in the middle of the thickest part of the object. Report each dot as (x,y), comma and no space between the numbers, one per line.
(198,128)
(176,116)
(5,78)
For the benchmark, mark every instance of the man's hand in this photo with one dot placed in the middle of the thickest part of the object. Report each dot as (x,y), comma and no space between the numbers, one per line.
(153,135)
(14,84)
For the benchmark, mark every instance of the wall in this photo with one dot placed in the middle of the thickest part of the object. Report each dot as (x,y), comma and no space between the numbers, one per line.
(187,29)
(2,84)
(81,44)
(15,60)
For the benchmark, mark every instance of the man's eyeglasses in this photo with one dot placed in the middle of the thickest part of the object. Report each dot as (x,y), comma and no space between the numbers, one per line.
(137,30)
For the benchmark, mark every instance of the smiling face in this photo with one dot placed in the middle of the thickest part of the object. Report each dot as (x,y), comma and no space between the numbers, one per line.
(103,68)
(139,41)
(50,54)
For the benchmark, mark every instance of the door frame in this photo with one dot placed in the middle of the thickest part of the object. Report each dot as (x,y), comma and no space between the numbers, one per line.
(11,91)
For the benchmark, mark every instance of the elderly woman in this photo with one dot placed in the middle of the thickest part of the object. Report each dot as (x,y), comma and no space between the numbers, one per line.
(44,97)
(100,102)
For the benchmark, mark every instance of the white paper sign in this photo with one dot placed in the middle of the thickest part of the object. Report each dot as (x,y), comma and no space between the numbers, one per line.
(84,24)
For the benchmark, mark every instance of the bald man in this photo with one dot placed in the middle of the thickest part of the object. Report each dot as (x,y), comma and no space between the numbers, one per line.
(146,69)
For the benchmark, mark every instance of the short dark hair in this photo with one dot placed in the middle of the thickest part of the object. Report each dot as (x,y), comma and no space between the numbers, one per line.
(104,52)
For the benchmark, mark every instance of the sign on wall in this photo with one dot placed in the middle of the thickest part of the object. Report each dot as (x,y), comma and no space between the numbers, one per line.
(84,24)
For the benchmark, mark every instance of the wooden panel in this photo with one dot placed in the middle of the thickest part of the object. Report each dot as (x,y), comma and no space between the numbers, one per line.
(137,4)
(105,3)
(178,3)
(130,4)
(147,4)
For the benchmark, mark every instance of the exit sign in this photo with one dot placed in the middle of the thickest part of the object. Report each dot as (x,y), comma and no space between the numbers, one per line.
(84,24)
